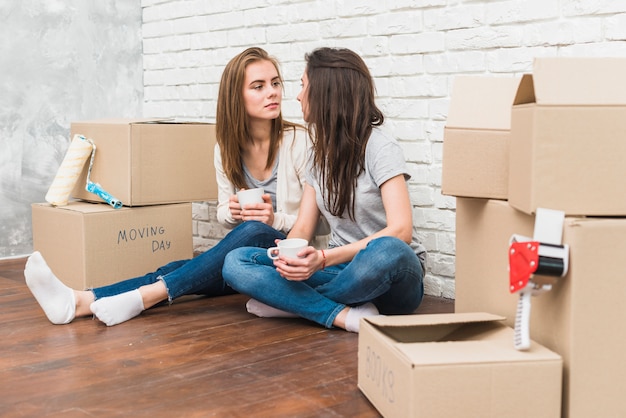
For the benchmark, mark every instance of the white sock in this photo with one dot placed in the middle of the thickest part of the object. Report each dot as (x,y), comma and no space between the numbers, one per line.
(114,310)
(56,299)
(355,313)
(265,311)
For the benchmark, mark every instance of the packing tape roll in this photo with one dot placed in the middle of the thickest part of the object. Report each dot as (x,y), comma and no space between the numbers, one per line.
(69,171)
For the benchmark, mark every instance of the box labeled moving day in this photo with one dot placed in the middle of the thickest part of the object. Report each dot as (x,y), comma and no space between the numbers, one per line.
(89,245)
(568,130)
(455,365)
(581,318)
(149,161)
(476,137)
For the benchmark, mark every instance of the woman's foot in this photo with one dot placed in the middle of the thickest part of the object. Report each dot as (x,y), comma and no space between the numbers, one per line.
(120,308)
(56,299)
(350,318)
(265,311)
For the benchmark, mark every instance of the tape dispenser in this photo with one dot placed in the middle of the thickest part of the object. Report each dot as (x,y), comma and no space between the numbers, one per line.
(535,264)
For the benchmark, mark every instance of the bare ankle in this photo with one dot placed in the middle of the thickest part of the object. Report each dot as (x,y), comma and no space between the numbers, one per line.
(84,298)
(153,293)
(340,319)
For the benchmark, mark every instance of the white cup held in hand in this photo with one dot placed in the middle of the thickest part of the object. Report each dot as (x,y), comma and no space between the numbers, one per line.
(249,196)
(289,248)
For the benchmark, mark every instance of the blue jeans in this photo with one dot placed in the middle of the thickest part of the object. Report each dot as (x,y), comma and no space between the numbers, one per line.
(201,275)
(387,272)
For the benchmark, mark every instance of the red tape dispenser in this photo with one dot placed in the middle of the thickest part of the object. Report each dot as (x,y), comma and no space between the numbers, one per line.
(543,256)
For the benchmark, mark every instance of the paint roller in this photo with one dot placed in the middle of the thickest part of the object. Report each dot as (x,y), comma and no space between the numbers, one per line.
(69,171)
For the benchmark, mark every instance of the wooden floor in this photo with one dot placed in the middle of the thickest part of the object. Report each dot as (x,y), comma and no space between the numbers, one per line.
(199,357)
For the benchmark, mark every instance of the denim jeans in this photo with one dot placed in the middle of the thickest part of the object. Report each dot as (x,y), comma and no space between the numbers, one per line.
(387,272)
(201,275)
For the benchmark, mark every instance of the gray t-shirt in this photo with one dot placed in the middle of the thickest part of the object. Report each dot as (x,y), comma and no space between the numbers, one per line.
(268,185)
(384,160)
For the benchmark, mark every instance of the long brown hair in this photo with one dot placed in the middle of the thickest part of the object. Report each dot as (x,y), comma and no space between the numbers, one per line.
(232,122)
(341,113)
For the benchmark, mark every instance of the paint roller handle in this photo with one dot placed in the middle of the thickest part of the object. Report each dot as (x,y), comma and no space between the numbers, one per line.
(95,188)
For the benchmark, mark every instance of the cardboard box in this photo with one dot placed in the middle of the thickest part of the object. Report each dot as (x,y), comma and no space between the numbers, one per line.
(91,244)
(581,318)
(148,162)
(476,137)
(454,365)
(568,126)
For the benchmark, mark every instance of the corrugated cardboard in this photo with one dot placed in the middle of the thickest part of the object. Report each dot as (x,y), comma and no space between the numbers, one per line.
(148,161)
(454,365)
(581,318)
(91,244)
(567,137)
(476,137)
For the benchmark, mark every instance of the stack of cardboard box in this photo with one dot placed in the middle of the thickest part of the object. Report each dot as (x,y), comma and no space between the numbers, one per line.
(156,168)
(563,151)
(465,364)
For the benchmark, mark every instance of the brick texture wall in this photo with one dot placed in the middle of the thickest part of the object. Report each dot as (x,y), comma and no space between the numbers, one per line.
(414,49)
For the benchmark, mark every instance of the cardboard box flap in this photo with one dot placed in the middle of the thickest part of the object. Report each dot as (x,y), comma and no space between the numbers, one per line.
(578,81)
(121,121)
(431,319)
(84,207)
(459,338)
(481,102)
(525,91)
(178,121)
(433,327)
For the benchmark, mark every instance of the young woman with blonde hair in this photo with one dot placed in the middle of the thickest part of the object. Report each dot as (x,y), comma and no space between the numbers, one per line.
(255,148)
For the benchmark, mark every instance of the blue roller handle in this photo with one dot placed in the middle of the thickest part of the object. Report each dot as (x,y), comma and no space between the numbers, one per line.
(103,194)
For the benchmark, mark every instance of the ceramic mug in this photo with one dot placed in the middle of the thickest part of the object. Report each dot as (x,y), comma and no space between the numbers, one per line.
(249,196)
(289,248)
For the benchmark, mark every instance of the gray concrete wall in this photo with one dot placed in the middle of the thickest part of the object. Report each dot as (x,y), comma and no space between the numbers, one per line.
(60,61)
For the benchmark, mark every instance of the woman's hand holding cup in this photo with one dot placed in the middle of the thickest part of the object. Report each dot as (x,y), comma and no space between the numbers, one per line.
(248,197)
(287,248)
(252,205)
(293,258)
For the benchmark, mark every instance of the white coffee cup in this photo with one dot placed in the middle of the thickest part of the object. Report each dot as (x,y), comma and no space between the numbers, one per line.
(289,248)
(248,196)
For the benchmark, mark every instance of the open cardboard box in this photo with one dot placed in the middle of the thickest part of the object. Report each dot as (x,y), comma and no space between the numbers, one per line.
(149,161)
(476,137)
(455,365)
(568,137)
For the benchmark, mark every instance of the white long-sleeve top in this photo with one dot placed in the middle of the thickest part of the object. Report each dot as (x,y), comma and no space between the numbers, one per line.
(290,181)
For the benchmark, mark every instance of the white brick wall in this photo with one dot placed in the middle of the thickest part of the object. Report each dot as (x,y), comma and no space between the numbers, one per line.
(414,49)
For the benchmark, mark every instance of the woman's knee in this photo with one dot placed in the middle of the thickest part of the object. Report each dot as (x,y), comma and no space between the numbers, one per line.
(253,233)
(253,227)
(392,251)
(232,263)
(237,271)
